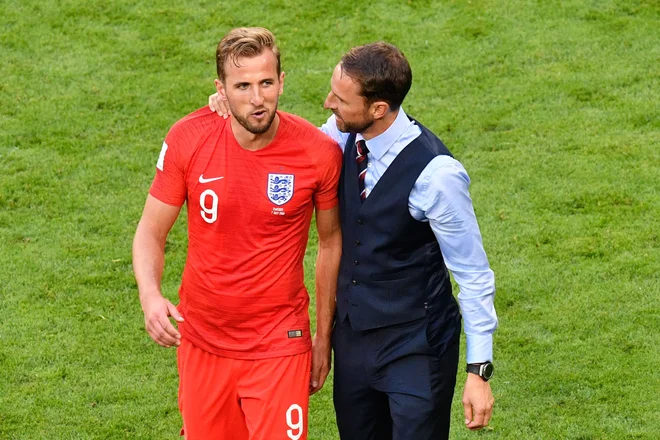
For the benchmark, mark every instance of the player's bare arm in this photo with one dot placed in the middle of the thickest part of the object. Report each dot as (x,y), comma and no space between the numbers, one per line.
(327,269)
(148,261)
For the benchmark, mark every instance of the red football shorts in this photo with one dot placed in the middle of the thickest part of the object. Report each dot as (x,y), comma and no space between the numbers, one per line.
(232,399)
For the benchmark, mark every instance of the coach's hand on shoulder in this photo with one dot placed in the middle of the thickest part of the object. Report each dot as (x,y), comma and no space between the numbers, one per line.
(321,361)
(216,104)
(157,311)
(477,402)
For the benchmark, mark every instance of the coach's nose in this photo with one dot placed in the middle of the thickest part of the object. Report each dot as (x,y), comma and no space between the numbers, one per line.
(329,101)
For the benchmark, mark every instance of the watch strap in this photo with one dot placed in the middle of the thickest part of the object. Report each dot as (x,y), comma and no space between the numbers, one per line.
(483,370)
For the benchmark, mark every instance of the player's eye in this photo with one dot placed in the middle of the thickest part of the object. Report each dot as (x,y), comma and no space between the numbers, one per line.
(268,83)
(242,86)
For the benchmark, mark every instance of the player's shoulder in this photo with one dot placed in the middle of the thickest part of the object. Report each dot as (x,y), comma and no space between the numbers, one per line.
(195,125)
(309,138)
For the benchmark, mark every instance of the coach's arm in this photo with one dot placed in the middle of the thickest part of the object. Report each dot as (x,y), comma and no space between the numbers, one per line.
(327,269)
(148,261)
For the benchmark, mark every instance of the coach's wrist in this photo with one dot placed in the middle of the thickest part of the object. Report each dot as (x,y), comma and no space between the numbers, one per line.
(484,370)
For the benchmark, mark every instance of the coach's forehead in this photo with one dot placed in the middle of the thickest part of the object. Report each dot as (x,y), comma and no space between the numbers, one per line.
(343,85)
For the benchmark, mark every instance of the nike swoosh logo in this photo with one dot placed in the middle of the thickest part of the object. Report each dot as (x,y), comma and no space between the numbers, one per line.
(212,179)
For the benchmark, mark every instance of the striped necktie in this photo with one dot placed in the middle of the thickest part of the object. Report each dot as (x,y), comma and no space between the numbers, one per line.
(361,160)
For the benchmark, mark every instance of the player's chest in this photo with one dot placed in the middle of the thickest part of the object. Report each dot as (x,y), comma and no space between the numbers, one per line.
(225,189)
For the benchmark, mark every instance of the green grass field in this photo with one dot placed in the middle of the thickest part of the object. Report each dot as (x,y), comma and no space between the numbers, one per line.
(553,108)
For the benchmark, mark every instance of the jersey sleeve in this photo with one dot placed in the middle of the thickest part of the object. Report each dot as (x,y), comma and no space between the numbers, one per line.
(328,169)
(169,184)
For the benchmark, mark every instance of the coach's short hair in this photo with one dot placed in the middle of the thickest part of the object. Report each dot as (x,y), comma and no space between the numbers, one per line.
(381,70)
(244,42)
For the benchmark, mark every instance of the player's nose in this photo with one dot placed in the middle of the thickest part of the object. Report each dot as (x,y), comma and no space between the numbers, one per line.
(257,98)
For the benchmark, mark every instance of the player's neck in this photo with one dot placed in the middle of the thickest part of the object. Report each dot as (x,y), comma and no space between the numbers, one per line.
(251,141)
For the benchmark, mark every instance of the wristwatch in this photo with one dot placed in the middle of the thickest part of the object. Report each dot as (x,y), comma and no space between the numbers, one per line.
(485,370)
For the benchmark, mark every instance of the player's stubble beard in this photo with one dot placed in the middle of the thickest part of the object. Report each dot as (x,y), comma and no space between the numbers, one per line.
(252,128)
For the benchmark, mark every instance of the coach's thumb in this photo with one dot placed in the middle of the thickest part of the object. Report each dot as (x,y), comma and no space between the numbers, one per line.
(174,313)
(467,409)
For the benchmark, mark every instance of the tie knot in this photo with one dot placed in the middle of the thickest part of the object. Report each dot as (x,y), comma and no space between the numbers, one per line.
(361,147)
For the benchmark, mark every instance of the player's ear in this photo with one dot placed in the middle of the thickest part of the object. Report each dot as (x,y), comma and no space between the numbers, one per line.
(220,88)
(282,82)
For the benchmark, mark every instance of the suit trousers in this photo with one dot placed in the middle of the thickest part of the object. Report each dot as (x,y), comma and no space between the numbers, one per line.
(391,384)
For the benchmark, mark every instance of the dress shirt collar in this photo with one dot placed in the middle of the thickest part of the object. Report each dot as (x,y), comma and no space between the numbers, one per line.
(380,145)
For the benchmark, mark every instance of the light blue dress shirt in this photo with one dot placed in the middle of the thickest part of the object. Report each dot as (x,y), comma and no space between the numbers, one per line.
(440,196)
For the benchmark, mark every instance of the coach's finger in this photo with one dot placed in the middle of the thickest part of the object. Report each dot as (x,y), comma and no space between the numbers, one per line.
(221,106)
(467,411)
(487,417)
(217,105)
(478,422)
(489,412)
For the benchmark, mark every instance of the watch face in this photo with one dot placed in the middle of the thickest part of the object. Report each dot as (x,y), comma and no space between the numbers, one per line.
(488,370)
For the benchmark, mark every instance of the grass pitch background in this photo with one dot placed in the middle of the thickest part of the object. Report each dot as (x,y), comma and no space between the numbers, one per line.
(551,106)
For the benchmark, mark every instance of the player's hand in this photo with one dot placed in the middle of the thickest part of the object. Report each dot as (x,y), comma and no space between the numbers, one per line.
(157,312)
(321,349)
(216,104)
(477,402)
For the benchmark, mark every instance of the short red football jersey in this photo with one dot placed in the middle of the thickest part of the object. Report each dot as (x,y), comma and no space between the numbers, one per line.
(242,293)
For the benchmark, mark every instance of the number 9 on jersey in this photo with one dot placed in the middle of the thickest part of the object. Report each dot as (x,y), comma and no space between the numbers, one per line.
(209,207)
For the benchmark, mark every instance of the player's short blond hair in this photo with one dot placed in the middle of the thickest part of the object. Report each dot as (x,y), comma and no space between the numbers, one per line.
(245,42)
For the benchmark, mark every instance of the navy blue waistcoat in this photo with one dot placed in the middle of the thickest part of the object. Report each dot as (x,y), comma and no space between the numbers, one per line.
(392,270)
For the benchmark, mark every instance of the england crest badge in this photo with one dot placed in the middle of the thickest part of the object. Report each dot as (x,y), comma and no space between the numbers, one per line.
(280,188)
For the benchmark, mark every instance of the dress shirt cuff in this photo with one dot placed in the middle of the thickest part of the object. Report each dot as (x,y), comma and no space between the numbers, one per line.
(479,348)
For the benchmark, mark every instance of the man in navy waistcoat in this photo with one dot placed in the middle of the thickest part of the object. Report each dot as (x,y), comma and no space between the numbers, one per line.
(406,217)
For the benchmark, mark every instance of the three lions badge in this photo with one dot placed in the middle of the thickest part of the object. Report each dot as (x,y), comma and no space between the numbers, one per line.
(280,188)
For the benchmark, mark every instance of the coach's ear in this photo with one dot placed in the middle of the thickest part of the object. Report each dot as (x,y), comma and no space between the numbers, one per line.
(379,109)
(220,87)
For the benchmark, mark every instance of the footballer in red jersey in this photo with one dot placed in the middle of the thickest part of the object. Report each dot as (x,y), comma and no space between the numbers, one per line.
(250,184)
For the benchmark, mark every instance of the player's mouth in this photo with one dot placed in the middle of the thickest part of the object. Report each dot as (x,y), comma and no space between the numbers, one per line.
(260,114)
